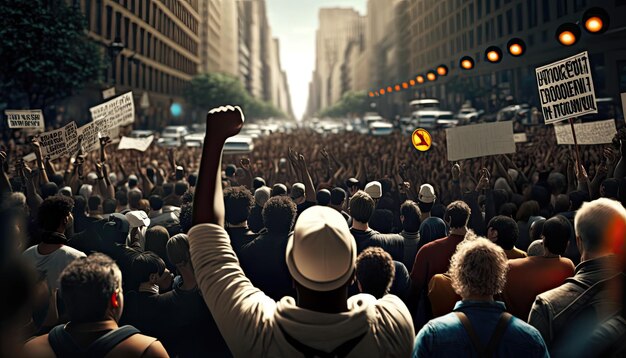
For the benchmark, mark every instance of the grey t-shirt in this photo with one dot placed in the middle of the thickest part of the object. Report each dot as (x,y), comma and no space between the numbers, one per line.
(52,265)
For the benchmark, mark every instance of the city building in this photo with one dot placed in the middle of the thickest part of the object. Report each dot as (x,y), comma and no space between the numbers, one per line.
(210,35)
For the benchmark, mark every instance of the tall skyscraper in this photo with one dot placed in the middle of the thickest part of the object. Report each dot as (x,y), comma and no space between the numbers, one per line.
(210,35)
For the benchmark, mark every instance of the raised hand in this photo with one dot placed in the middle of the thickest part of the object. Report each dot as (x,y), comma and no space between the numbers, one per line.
(456,171)
(104,141)
(224,122)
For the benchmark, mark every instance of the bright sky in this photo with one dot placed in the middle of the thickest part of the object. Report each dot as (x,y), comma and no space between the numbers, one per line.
(294,22)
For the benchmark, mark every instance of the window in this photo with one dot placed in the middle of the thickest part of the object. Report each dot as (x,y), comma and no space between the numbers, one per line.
(479,35)
(509,21)
(109,21)
(520,17)
(500,26)
(127,31)
(99,17)
(497,4)
(561,8)
(471,13)
(471,39)
(479,8)
(134,38)
(88,13)
(487,7)
(546,10)
(142,49)
(118,24)
(532,13)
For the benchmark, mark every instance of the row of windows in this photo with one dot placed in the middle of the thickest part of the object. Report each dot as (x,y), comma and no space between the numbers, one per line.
(142,8)
(145,77)
(165,25)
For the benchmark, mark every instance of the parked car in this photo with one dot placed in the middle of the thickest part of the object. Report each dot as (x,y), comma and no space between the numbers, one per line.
(174,132)
(194,140)
(381,128)
(426,113)
(512,112)
(238,144)
(469,115)
(139,133)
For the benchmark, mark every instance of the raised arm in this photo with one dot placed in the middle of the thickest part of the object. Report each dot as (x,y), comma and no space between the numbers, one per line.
(43,177)
(5,184)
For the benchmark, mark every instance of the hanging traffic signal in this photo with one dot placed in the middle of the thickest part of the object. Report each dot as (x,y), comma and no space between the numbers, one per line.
(431,75)
(568,34)
(420,79)
(389,89)
(516,47)
(493,54)
(466,62)
(412,83)
(596,20)
(382,91)
(442,70)
(405,85)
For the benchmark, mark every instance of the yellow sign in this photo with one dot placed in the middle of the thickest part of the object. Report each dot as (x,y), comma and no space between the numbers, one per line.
(421,139)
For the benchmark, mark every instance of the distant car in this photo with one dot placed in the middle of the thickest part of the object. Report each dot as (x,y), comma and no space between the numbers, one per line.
(238,144)
(381,128)
(426,113)
(174,132)
(138,133)
(469,115)
(511,112)
(170,142)
(194,140)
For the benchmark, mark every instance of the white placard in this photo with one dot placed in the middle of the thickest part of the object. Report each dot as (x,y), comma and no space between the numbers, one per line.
(89,136)
(119,111)
(108,93)
(59,142)
(520,138)
(30,157)
(566,88)
(601,132)
(140,144)
(30,118)
(479,140)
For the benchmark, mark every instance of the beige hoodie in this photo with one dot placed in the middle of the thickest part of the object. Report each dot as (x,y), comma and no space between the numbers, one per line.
(252,323)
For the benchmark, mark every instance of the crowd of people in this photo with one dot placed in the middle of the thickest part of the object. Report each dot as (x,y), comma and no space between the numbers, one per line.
(313,245)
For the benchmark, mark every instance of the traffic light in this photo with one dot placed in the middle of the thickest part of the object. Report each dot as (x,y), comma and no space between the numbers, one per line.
(568,34)
(493,54)
(442,70)
(466,62)
(596,20)
(516,47)
(431,76)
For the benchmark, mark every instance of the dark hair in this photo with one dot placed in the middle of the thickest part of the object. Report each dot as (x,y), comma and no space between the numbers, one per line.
(185,218)
(192,179)
(53,210)
(87,284)
(180,188)
(168,189)
(94,202)
(375,271)
(527,209)
(156,203)
(508,232)
(361,206)
(535,229)
(458,213)
(237,201)
(425,207)
(156,241)
(49,189)
(556,233)
(132,183)
(80,205)
(611,188)
(323,197)
(258,182)
(431,229)
(382,221)
(279,214)
(337,196)
(57,179)
(561,203)
(121,197)
(143,265)
(508,209)
(577,198)
(230,170)
(134,197)
(150,173)
(108,206)
(279,189)
(411,213)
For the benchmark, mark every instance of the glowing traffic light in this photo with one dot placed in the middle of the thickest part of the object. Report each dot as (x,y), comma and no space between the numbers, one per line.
(516,47)
(431,76)
(466,62)
(493,54)
(420,79)
(405,85)
(412,83)
(442,70)
(596,20)
(397,88)
(568,34)
(389,89)
(382,91)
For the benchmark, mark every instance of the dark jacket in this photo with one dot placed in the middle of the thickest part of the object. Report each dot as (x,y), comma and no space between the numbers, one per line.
(392,243)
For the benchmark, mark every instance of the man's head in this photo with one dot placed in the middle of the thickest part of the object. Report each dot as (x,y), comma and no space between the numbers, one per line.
(108,206)
(262,195)
(156,203)
(149,268)
(353,185)
(457,214)
(503,231)
(577,198)
(556,232)
(382,221)
(133,199)
(91,288)
(237,201)
(361,206)
(279,189)
(561,203)
(258,182)
(321,239)
(181,187)
(55,213)
(410,216)
(178,250)
(132,181)
(426,198)
(609,188)
(323,197)
(94,203)
(337,198)
(600,228)
(478,268)
(230,171)
(375,271)
(156,240)
(298,193)
(279,214)
(121,198)
(115,230)
(49,189)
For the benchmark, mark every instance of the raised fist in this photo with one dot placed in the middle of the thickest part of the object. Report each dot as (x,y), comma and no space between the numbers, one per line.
(224,122)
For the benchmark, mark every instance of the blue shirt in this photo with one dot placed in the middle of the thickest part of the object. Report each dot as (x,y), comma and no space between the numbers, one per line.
(446,337)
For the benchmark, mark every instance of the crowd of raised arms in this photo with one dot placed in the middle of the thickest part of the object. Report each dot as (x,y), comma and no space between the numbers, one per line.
(338,245)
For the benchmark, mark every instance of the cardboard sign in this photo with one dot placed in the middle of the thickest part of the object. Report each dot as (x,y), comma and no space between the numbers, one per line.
(54,143)
(108,93)
(566,88)
(601,132)
(140,144)
(30,118)
(30,157)
(479,140)
(520,138)
(88,134)
(119,111)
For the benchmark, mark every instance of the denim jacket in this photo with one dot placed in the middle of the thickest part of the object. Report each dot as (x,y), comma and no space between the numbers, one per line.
(446,337)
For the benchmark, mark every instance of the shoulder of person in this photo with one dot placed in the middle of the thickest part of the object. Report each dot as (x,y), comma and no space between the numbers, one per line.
(139,345)
(391,306)
(70,251)
(526,330)
(38,347)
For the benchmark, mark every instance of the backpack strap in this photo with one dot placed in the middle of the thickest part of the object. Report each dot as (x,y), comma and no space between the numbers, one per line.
(62,343)
(103,345)
(341,351)
(478,346)
(496,337)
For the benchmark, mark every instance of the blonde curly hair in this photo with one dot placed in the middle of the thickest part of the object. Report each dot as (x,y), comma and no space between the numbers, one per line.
(478,267)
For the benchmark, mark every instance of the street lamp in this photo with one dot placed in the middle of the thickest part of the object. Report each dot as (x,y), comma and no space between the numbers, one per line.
(516,47)
(115,48)
(567,34)
(467,62)
(493,54)
(596,20)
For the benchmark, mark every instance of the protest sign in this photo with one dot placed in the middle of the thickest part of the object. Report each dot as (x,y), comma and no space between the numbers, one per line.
(88,134)
(108,93)
(566,88)
(54,143)
(479,140)
(140,144)
(30,118)
(520,138)
(30,157)
(601,132)
(119,111)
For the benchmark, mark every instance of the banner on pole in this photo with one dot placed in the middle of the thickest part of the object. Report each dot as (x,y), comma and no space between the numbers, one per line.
(601,132)
(140,144)
(479,140)
(566,88)
(30,118)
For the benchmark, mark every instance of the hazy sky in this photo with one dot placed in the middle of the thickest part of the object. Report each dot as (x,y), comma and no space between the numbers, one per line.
(294,22)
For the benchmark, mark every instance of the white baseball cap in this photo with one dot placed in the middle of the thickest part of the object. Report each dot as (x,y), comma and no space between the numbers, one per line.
(321,254)
(374,189)
(426,194)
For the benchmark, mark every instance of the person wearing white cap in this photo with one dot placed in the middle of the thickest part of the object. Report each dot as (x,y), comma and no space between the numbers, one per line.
(321,258)
(425,200)
(374,189)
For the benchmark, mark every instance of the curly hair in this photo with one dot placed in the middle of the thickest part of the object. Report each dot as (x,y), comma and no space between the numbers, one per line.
(279,214)
(238,201)
(375,271)
(87,284)
(53,210)
(478,267)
